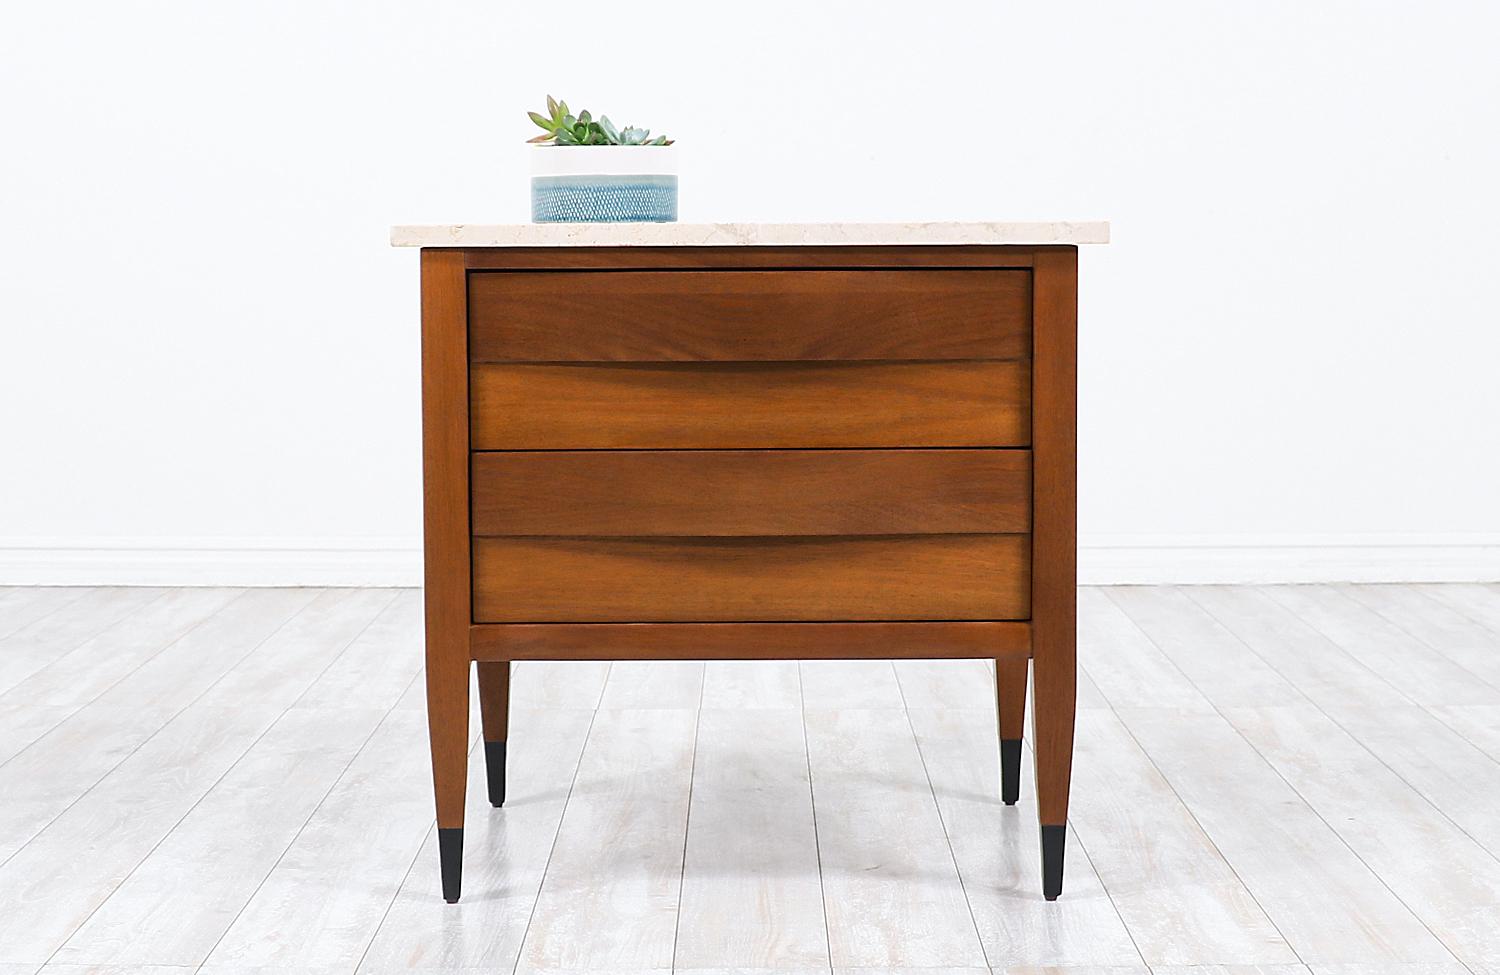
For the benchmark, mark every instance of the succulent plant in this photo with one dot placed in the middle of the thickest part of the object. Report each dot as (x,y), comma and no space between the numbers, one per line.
(562,128)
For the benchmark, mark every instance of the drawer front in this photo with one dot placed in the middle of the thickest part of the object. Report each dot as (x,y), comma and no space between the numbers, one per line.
(608,580)
(751,492)
(716,405)
(665,316)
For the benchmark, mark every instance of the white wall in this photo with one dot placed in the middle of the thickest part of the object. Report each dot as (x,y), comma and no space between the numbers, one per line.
(209,359)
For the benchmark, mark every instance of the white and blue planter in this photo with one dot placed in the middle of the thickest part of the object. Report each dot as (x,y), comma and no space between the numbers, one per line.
(603,184)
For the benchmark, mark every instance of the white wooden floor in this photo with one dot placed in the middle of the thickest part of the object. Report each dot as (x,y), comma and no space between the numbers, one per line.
(1289,778)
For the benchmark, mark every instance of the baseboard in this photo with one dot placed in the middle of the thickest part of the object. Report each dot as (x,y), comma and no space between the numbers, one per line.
(211,562)
(1203,559)
(1102,560)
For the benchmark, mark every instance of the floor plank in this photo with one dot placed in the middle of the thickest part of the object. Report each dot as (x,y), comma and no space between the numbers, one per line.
(747,903)
(1431,754)
(845,684)
(1223,669)
(1124,664)
(1266,777)
(351,856)
(1480,603)
(87,671)
(1479,726)
(181,673)
(379,665)
(53,635)
(752,684)
(1325,902)
(1445,878)
(22,724)
(1423,674)
(505,855)
(1180,900)
(1322,898)
(653,684)
(947,683)
(52,773)
(20,606)
(1088,693)
(890,888)
(1432,616)
(1433,968)
(49,891)
(55,769)
(998,858)
(284,667)
(1315,665)
(540,684)
(177,904)
(63,968)
(1236,970)
(610,896)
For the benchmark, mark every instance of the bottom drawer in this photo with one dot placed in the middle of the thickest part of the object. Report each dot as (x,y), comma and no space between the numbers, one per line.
(773,579)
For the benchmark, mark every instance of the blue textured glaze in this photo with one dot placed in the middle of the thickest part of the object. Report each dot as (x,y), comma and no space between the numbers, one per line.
(603,199)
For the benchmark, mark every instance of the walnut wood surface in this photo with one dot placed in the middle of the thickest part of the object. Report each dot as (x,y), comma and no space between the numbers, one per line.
(1010,696)
(913,577)
(1054,574)
(493,680)
(1007,641)
(750,405)
(751,492)
(651,316)
(803,360)
(445,515)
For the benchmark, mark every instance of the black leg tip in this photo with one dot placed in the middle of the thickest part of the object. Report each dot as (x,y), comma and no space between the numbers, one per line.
(1010,770)
(494,770)
(1054,839)
(451,854)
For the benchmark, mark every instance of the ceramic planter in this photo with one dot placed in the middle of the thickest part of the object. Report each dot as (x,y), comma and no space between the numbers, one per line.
(603,184)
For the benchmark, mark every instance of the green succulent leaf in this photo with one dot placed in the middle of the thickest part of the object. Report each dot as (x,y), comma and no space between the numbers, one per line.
(563,129)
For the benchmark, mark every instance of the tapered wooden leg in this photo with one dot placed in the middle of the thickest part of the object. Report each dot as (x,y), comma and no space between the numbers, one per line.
(1010,704)
(1054,544)
(1053,696)
(446,540)
(448,728)
(494,707)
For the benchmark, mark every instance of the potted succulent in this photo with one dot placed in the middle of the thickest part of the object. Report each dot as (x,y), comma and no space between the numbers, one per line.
(588,170)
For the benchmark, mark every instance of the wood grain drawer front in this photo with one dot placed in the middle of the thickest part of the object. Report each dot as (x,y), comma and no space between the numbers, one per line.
(655,316)
(610,580)
(669,406)
(751,492)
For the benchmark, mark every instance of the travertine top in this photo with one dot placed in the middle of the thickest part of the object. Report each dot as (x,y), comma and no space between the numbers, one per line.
(728,234)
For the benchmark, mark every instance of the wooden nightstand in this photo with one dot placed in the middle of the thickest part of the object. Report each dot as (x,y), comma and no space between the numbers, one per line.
(785,448)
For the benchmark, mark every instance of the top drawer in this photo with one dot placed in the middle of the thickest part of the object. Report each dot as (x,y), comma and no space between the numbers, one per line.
(748,316)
